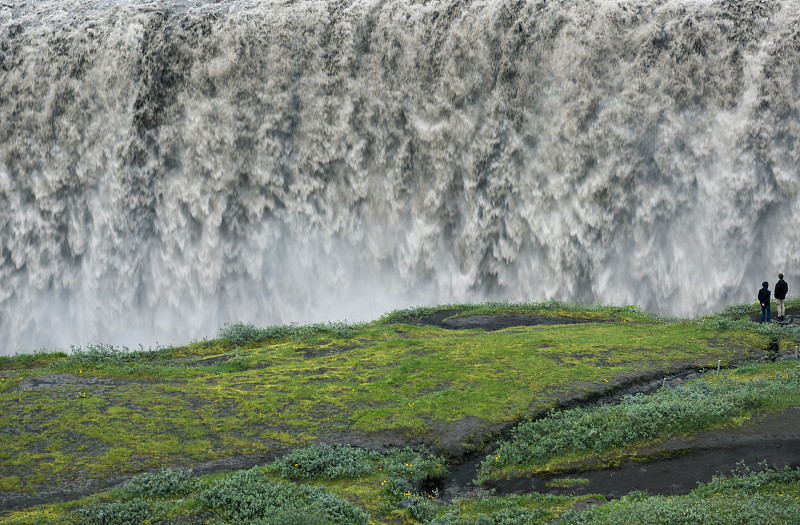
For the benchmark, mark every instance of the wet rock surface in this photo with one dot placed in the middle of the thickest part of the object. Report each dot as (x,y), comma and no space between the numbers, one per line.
(791,317)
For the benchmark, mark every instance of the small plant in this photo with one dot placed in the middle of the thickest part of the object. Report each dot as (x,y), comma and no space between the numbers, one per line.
(414,465)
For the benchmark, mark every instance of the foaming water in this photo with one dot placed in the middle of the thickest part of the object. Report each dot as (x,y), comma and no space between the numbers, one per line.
(167,166)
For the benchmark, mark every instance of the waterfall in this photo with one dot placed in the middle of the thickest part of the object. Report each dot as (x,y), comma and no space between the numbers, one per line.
(170,165)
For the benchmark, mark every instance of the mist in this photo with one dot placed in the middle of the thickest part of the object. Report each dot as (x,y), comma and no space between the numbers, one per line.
(169,166)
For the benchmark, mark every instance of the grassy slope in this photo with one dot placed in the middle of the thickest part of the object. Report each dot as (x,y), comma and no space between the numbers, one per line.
(110,415)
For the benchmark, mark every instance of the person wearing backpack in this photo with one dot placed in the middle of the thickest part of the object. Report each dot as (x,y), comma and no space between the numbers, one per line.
(763,298)
(781,289)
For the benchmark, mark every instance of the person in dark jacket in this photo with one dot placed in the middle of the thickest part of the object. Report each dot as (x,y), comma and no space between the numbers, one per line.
(781,289)
(763,298)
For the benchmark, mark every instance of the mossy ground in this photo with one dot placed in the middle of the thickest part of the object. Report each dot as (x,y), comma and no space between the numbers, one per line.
(393,382)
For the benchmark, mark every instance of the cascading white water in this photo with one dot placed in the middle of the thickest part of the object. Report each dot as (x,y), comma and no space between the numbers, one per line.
(166,166)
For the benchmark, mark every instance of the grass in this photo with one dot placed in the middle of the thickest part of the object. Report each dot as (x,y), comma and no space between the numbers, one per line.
(268,391)
(290,394)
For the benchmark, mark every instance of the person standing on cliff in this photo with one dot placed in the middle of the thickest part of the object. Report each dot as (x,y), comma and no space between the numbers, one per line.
(781,289)
(763,298)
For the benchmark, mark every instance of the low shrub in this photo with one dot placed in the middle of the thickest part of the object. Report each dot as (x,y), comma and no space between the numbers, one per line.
(414,465)
(638,418)
(39,358)
(135,512)
(249,496)
(326,462)
(395,490)
(102,355)
(343,461)
(240,334)
(423,510)
(165,483)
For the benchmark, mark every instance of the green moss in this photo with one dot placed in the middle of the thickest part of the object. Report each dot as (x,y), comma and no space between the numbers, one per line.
(8,483)
(127,411)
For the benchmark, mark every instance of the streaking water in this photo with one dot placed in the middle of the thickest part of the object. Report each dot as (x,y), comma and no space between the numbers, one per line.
(166,166)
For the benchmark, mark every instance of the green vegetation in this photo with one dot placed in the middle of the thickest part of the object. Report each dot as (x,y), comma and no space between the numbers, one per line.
(295,392)
(107,410)
(552,308)
(244,334)
(249,496)
(346,462)
(607,431)
(161,484)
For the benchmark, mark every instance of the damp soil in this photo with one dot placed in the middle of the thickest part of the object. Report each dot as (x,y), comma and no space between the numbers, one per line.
(674,466)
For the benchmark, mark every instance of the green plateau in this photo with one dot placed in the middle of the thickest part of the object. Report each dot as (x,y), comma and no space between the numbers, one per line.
(354,423)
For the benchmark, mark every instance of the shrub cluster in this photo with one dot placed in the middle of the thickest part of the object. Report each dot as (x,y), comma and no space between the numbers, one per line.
(638,418)
(738,311)
(39,358)
(344,461)
(101,355)
(326,462)
(249,496)
(240,334)
(413,465)
(134,512)
(405,471)
(165,483)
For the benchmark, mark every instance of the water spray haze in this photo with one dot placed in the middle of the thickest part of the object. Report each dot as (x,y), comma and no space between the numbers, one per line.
(169,166)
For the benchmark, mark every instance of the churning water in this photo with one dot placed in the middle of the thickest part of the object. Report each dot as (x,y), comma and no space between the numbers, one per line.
(166,166)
